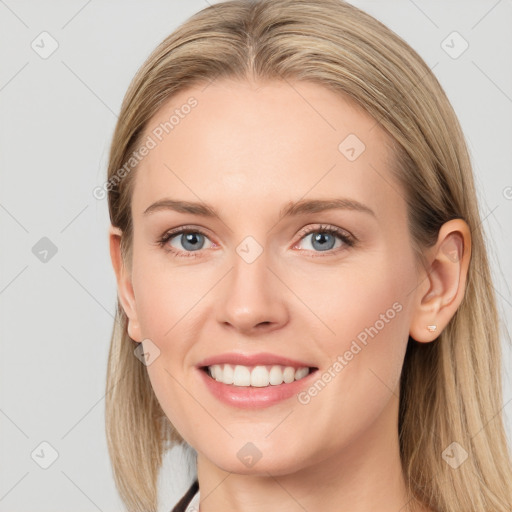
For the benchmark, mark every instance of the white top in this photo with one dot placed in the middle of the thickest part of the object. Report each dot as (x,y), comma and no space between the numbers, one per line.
(193,506)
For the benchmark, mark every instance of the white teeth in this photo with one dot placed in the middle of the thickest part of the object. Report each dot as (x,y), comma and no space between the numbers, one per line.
(301,372)
(275,376)
(289,374)
(241,376)
(257,376)
(228,374)
(216,371)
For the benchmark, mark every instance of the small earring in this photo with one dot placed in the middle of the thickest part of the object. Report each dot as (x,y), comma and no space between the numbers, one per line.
(431,328)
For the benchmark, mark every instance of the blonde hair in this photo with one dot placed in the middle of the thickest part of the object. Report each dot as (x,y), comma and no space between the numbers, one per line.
(450,388)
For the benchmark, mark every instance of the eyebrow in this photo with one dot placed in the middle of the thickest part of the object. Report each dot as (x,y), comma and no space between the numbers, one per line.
(292,208)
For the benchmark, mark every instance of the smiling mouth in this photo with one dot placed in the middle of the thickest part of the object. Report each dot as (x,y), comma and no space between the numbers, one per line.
(256,376)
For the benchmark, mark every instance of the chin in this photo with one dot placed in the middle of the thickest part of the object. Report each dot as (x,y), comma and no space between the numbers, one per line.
(275,464)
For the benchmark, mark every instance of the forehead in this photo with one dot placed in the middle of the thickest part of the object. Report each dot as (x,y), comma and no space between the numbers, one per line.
(267,142)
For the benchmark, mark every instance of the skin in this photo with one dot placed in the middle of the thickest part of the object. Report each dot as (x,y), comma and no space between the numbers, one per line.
(248,149)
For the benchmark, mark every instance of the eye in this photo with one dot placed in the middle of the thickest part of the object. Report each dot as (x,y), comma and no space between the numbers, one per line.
(191,239)
(323,239)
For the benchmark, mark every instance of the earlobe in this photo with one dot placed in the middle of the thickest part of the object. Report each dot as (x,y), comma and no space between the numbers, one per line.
(443,283)
(124,284)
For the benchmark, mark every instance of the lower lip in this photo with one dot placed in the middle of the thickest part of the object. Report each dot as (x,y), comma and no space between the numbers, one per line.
(249,397)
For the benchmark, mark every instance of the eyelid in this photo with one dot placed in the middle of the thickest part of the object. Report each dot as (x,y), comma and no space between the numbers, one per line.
(346,237)
(307,230)
(171,233)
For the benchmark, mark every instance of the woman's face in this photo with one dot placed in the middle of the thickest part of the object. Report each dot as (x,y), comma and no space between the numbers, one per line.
(279,163)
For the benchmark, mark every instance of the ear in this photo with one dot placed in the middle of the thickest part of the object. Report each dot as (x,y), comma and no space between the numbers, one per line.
(443,282)
(124,284)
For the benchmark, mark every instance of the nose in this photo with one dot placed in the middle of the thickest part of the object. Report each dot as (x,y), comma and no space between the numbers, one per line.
(253,298)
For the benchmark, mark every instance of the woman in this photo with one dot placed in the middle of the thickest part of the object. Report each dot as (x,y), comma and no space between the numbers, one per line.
(304,296)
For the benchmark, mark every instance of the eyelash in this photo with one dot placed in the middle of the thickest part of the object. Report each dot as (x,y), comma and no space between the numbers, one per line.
(348,240)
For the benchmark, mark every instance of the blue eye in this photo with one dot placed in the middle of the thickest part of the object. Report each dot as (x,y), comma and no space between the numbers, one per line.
(324,238)
(193,240)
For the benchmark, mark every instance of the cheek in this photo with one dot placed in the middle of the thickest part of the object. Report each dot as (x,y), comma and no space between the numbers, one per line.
(169,308)
(165,299)
(363,361)
(341,301)
(165,294)
(363,333)
(173,398)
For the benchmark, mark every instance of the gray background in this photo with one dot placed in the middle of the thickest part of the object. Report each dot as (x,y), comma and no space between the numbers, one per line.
(56,121)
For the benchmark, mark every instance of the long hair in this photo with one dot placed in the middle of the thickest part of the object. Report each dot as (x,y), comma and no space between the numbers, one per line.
(450,389)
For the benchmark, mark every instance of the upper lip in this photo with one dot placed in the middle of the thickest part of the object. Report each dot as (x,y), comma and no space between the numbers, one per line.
(259,359)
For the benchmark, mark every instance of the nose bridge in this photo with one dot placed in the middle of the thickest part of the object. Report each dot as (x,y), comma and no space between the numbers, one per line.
(250,270)
(250,296)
